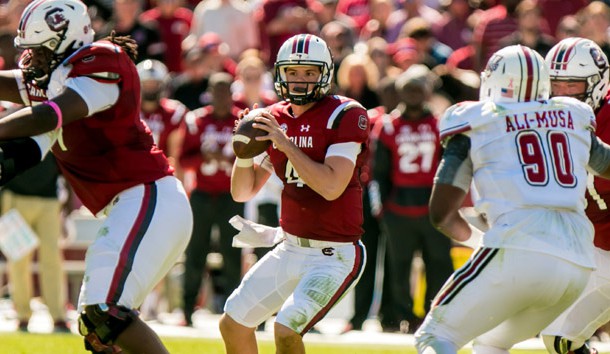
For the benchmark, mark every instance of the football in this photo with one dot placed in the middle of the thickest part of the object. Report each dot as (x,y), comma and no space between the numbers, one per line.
(245,145)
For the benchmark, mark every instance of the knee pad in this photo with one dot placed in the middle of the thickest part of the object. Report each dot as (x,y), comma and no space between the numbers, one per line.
(101,324)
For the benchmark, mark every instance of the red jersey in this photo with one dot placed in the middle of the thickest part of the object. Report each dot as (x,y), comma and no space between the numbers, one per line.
(414,154)
(206,132)
(305,213)
(112,150)
(366,172)
(598,194)
(164,120)
(173,31)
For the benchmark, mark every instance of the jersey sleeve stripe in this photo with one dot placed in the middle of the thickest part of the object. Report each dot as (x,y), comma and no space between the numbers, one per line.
(445,133)
(335,118)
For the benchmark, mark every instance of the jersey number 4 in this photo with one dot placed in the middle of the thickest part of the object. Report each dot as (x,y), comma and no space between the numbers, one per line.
(535,161)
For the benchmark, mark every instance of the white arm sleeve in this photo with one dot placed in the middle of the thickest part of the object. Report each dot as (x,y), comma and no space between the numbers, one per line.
(23,92)
(348,150)
(98,96)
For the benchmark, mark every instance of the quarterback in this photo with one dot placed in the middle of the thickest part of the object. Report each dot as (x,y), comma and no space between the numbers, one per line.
(527,157)
(82,102)
(319,144)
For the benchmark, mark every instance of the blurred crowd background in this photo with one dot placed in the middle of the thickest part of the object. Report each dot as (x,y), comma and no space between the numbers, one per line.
(215,57)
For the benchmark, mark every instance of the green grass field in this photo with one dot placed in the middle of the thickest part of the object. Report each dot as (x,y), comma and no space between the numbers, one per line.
(19,343)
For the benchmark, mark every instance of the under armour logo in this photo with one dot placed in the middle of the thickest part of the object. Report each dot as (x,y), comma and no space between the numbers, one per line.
(305,128)
(328,251)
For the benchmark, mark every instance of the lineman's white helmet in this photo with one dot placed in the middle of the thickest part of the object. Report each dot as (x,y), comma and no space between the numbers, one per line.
(59,25)
(515,74)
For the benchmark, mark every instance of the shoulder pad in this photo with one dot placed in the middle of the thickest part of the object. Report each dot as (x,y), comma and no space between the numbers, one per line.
(96,60)
(585,112)
(459,118)
(93,49)
(344,105)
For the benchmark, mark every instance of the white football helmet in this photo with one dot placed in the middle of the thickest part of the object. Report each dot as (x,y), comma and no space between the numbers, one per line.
(515,74)
(304,49)
(156,71)
(61,26)
(152,70)
(579,59)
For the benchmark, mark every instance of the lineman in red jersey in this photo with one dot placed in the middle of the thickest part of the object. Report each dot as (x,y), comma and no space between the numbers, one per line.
(207,150)
(162,115)
(579,68)
(319,144)
(407,153)
(91,122)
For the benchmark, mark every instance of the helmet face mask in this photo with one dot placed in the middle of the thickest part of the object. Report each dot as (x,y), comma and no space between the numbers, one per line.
(57,26)
(515,74)
(580,60)
(303,51)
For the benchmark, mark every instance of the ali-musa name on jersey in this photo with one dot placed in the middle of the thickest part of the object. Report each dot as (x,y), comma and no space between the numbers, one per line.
(544,119)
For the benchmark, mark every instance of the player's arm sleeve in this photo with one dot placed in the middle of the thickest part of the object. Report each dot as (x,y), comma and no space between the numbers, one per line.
(349,150)
(456,166)
(599,159)
(97,95)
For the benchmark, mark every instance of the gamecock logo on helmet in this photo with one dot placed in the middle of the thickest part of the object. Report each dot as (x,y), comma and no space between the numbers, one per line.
(56,20)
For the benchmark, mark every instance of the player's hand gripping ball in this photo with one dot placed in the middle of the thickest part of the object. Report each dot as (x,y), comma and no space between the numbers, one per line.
(245,145)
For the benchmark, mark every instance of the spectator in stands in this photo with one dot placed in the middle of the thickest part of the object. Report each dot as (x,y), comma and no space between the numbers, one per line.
(380,11)
(173,21)
(555,10)
(378,51)
(357,78)
(253,84)
(407,153)
(357,10)
(404,53)
(34,194)
(568,27)
(594,21)
(409,9)
(530,29)
(453,29)
(325,11)
(207,149)
(493,25)
(340,39)
(232,20)
(432,51)
(460,81)
(279,20)
(162,115)
(208,55)
(125,22)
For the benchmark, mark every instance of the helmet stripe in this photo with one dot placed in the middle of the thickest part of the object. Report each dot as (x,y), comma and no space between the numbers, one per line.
(307,40)
(564,64)
(28,11)
(529,77)
(295,42)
